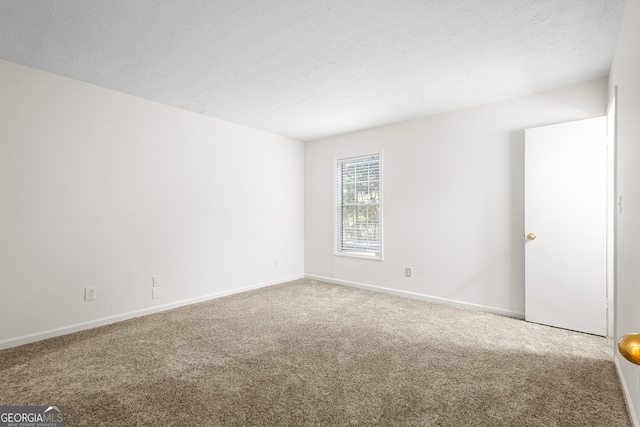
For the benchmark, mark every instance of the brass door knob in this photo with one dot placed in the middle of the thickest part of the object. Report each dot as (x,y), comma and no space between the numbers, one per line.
(629,347)
(531,236)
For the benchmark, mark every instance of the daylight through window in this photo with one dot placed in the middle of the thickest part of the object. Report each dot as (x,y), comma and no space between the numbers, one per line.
(359,206)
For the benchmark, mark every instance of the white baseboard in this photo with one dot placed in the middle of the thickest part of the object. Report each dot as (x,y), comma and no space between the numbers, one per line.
(625,391)
(414,295)
(39,336)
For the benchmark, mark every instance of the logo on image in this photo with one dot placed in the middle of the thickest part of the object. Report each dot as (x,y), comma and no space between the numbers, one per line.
(31,416)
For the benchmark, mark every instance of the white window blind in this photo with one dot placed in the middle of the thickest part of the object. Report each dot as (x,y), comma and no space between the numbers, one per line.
(359,206)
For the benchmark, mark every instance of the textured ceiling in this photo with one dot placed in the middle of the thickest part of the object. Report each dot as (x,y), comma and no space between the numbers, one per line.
(310,69)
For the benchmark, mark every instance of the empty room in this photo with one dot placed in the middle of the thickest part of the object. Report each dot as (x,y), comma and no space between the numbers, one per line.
(335,213)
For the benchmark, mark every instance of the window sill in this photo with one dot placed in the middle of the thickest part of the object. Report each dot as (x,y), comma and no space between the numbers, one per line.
(362,255)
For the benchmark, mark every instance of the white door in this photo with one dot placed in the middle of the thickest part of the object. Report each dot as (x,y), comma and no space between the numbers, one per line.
(565,225)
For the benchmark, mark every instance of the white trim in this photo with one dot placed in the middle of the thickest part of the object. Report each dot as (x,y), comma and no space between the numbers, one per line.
(358,255)
(625,391)
(612,211)
(423,297)
(51,333)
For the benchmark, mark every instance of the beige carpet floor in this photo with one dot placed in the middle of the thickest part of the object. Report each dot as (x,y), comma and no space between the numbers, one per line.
(313,354)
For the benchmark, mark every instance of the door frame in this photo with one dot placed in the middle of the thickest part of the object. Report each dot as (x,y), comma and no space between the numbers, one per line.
(614,204)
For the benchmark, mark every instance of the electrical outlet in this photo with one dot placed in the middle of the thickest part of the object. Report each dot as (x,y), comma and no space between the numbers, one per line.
(275,263)
(156,294)
(155,280)
(407,272)
(90,293)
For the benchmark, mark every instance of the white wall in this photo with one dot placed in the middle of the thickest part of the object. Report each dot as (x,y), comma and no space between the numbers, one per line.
(99,188)
(453,199)
(625,74)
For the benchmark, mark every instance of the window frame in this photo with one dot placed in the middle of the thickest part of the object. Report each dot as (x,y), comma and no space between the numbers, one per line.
(336,204)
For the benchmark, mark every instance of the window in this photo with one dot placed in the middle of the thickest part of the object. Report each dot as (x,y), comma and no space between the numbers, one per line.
(359,208)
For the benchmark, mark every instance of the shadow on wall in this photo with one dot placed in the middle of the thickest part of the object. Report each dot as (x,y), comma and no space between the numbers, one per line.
(516,203)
